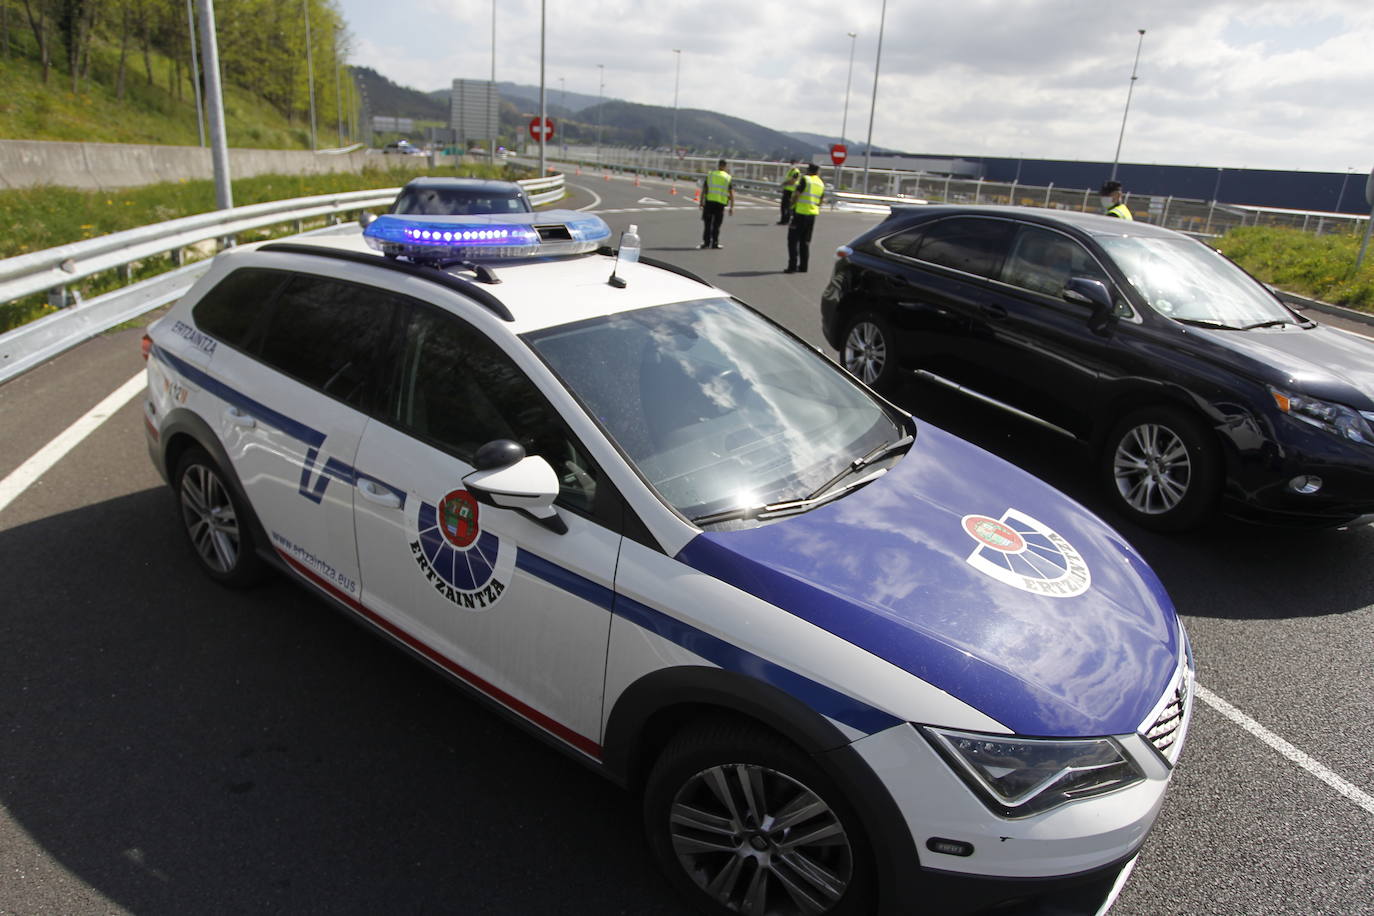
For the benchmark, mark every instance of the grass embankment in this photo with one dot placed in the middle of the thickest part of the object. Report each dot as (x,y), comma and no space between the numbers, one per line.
(1316,266)
(36,218)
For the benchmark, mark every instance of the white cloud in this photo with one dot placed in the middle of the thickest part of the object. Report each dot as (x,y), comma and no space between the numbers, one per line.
(1222,82)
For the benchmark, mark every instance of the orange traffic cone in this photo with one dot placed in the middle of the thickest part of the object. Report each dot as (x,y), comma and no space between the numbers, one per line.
(579,170)
(674,190)
(696,195)
(607,176)
(636,179)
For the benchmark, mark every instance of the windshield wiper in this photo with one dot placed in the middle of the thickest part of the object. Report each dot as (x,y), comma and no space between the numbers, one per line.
(858,464)
(1200,323)
(817,497)
(1274,323)
(784,507)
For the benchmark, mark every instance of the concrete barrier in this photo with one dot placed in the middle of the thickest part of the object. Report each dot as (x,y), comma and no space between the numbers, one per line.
(101,166)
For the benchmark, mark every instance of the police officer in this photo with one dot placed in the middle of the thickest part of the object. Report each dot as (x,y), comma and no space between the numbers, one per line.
(805,205)
(1112,202)
(789,185)
(717,191)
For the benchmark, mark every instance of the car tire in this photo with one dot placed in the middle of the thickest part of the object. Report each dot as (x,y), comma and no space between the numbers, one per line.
(867,351)
(217,526)
(711,814)
(1161,468)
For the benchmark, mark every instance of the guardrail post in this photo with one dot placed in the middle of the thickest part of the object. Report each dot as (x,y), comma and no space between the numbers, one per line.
(178,256)
(947,189)
(57,297)
(1048,190)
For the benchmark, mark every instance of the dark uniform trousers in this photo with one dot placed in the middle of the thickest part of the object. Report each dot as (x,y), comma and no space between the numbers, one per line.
(786,215)
(799,240)
(712,215)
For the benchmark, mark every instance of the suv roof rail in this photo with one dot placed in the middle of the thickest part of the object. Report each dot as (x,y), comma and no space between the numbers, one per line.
(433,274)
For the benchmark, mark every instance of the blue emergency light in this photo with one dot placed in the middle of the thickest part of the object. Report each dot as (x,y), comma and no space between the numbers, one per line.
(487,237)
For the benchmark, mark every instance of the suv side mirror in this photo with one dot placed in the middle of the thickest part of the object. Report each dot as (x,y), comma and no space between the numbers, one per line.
(1089,292)
(507,479)
(366,218)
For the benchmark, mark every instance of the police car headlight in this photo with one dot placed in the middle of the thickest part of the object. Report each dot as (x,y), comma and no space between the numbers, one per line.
(1018,777)
(1336,419)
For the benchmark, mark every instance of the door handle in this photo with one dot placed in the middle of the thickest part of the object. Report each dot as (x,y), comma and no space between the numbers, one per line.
(374,492)
(237,417)
(995,312)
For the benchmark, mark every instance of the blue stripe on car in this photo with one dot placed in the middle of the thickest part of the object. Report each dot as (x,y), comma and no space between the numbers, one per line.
(825,700)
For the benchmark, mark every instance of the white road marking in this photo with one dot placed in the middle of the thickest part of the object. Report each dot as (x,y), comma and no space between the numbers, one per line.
(35,467)
(650,200)
(595,203)
(1317,769)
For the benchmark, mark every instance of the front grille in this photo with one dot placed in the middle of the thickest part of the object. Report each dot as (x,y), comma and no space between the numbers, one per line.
(1165,732)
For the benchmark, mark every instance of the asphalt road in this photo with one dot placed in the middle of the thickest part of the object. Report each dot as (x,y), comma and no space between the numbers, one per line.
(170,747)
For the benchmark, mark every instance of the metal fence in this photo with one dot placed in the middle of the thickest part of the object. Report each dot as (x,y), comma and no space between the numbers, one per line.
(1196,217)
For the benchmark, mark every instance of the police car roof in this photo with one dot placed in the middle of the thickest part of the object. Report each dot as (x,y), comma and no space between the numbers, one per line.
(548,291)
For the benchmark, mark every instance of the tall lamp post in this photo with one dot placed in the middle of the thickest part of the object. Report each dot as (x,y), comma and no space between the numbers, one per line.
(493,109)
(1131,88)
(677,81)
(873,109)
(600,92)
(844,123)
(310,72)
(543,115)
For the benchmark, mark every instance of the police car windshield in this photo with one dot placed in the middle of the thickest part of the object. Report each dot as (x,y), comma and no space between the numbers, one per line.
(717,407)
(458,202)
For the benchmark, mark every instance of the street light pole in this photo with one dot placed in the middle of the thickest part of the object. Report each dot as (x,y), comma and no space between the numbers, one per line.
(543,115)
(494,117)
(310,72)
(1131,88)
(844,123)
(195,72)
(600,92)
(873,109)
(677,81)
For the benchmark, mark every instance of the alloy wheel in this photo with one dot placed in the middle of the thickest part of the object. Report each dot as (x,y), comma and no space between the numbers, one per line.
(1152,468)
(211,522)
(865,351)
(759,842)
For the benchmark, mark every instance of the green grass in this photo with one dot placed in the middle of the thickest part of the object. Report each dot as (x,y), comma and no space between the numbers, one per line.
(36,218)
(1316,266)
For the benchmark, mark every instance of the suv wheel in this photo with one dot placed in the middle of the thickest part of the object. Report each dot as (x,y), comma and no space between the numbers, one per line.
(867,351)
(216,526)
(1160,467)
(744,822)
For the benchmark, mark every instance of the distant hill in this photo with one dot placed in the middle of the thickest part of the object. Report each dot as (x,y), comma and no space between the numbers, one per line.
(387,98)
(620,123)
(856,147)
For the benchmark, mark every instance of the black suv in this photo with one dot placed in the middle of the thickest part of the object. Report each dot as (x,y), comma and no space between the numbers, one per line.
(1193,383)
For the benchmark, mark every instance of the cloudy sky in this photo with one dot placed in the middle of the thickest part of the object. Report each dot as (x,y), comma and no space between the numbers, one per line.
(1235,83)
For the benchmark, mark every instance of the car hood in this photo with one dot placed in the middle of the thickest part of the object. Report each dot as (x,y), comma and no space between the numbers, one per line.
(1054,628)
(1325,362)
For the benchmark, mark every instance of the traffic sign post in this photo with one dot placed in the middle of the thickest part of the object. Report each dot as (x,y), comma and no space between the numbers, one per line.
(545,134)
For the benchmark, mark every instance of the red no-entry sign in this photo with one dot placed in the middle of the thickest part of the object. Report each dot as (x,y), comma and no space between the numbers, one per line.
(547,131)
(838,153)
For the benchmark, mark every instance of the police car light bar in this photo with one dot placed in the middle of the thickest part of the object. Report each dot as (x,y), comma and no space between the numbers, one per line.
(486,237)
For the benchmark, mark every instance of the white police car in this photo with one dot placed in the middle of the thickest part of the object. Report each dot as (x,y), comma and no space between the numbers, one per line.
(852,664)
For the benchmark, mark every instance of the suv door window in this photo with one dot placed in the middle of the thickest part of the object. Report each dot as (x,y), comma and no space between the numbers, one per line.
(973,245)
(329,335)
(233,310)
(1044,261)
(457,391)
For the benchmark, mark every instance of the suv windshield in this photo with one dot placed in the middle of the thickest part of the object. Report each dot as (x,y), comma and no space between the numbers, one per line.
(1188,281)
(717,407)
(459,201)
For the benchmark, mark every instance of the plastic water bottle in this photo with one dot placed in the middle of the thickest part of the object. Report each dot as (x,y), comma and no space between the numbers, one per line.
(629,245)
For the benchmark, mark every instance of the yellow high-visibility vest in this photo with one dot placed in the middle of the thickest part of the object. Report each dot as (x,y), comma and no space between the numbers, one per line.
(808,199)
(718,187)
(793,176)
(1121,211)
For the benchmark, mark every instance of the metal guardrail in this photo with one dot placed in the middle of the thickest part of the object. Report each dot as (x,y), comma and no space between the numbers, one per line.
(52,270)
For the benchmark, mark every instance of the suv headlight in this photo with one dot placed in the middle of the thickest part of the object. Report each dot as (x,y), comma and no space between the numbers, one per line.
(1337,419)
(1018,777)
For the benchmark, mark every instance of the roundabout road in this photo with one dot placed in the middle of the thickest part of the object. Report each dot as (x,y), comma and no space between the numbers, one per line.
(169,747)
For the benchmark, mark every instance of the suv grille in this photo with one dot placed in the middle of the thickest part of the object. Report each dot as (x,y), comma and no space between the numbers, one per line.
(1166,731)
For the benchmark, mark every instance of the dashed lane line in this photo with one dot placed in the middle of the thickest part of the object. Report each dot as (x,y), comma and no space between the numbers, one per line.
(1316,768)
(35,467)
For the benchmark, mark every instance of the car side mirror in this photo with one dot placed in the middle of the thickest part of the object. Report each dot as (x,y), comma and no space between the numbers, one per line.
(508,479)
(366,218)
(1089,292)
